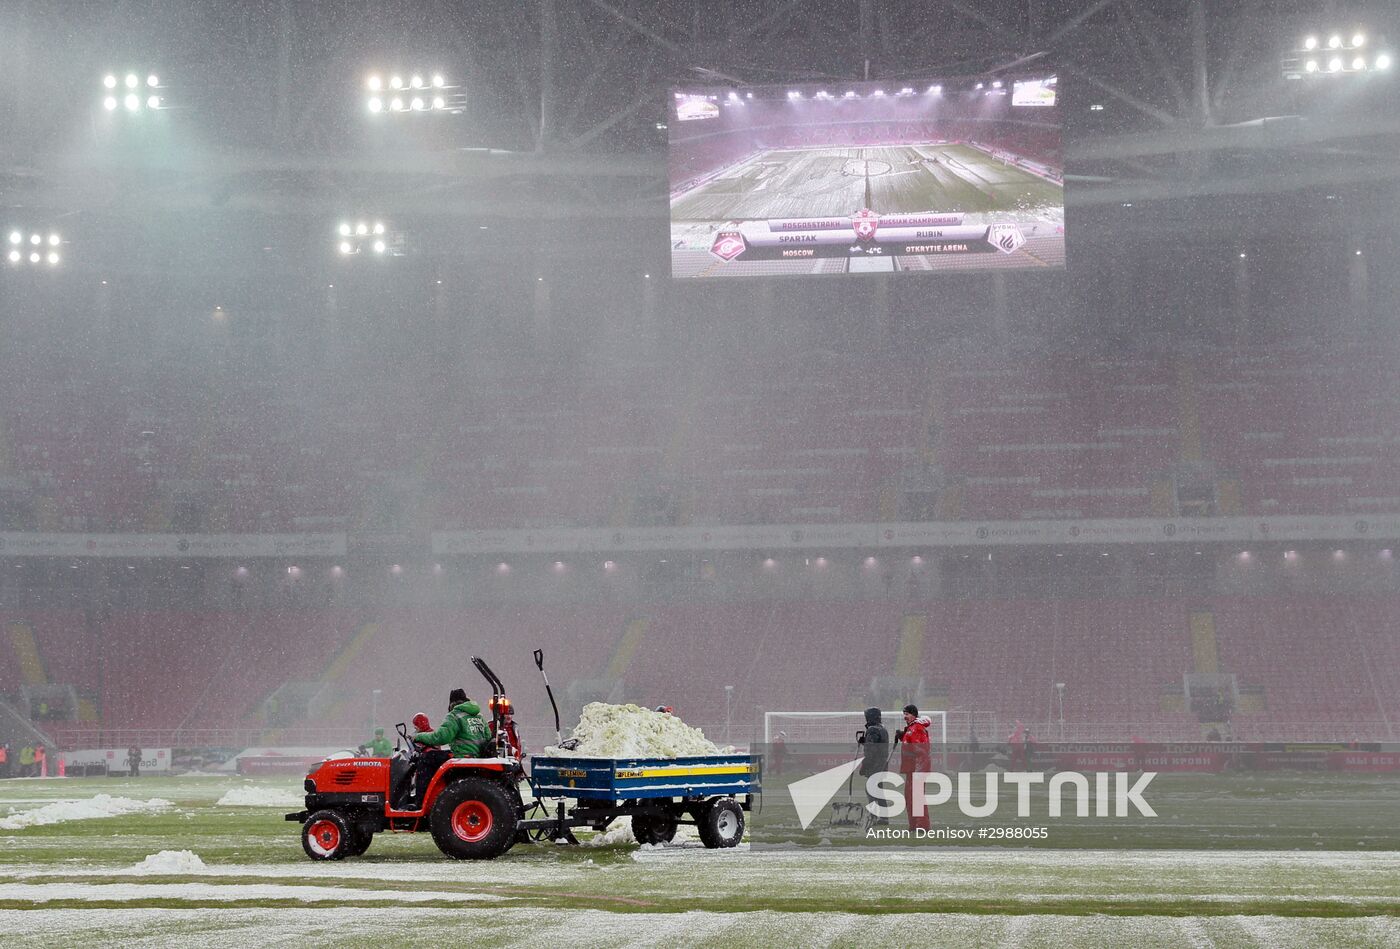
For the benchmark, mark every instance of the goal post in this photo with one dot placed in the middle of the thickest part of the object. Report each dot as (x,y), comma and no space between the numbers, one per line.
(841,727)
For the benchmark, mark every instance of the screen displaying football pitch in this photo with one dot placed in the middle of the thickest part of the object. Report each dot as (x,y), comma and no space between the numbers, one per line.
(864,178)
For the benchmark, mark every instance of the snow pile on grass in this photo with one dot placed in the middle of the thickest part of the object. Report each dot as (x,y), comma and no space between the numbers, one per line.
(101,805)
(618,832)
(629,731)
(250,796)
(169,862)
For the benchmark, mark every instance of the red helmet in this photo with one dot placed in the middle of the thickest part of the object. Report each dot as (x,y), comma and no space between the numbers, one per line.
(420,722)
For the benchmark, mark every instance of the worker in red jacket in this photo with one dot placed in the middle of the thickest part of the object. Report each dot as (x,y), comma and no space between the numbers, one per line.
(914,760)
(508,742)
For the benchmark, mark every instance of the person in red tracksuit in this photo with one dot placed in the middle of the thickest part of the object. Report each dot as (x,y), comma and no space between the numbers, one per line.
(914,760)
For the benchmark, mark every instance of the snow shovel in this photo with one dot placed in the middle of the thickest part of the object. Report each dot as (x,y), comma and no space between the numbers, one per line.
(847,813)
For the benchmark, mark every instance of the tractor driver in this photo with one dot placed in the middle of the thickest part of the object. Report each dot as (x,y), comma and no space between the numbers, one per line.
(464,733)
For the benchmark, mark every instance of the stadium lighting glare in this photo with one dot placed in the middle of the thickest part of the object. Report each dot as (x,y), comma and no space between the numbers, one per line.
(153,102)
(376,104)
(794,94)
(1358,64)
(53,257)
(748,95)
(438,81)
(396,104)
(1310,43)
(110,81)
(906,91)
(1096,107)
(395,82)
(878,93)
(153,80)
(417,104)
(439,102)
(380,247)
(132,102)
(132,81)
(361,229)
(978,86)
(346,247)
(35,239)
(14,256)
(416,82)
(850,94)
(935,90)
(1311,66)
(1334,64)
(733,97)
(996,84)
(344,229)
(1335,42)
(374,83)
(54,240)
(16,237)
(1359,39)
(34,258)
(1383,61)
(379,227)
(109,103)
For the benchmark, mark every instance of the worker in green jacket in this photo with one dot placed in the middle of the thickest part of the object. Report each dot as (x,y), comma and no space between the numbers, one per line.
(380,746)
(463,731)
(26,761)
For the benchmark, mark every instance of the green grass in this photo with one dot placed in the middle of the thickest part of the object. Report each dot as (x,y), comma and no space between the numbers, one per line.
(56,886)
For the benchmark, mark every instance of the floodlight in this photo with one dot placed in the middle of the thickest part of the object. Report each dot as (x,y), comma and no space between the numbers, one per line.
(936,90)
(1334,64)
(361,229)
(131,81)
(345,229)
(380,247)
(53,240)
(396,104)
(1335,42)
(34,257)
(438,81)
(376,104)
(153,80)
(34,238)
(153,102)
(850,94)
(14,256)
(53,257)
(395,82)
(374,83)
(1358,64)
(346,247)
(878,92)
(16,237)
(109,81)
(416,104)
(439,102)
(416,82)
(1312,65)
(978,86)
(132,102)
(997,84)
(379,227)
(1359,39)
(1310,43)
(109,103)
(1383,61)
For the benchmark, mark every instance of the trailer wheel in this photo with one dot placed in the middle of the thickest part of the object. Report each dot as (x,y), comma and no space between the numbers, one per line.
(721,823)
(473,819)
(327,835)
(653,830)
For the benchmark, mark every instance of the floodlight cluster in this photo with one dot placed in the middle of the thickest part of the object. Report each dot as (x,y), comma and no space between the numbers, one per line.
(131,93)
(1339,53)
(32,247)
(419,92)
(354,237)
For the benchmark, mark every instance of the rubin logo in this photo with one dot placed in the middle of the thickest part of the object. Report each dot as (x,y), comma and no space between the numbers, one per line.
(1098,794)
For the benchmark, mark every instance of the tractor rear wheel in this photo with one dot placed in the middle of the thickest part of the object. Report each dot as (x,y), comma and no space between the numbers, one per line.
(721,823)
(327,835)
(473,819)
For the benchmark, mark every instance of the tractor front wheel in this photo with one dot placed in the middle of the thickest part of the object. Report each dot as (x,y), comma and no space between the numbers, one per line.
(473,819)
(327,835)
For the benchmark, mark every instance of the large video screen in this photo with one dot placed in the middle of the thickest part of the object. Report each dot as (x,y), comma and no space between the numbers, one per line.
(865,177)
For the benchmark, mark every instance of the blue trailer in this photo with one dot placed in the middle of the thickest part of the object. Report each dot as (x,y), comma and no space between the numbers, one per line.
(711,792)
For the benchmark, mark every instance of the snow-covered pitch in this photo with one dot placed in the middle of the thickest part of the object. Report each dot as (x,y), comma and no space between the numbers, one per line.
(147,872)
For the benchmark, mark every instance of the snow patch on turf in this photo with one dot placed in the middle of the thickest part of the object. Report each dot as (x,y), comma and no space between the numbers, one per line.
(619,832)
(169,862)
(136,892)
(100,805)
(630,731)
(250,796)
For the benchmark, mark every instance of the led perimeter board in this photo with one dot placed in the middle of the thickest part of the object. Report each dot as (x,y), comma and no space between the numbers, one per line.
(866,177)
